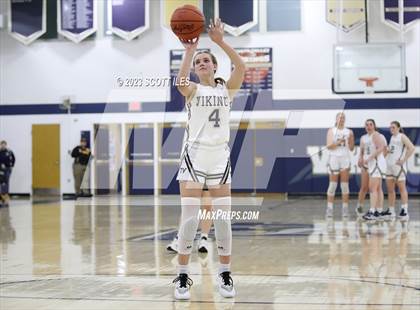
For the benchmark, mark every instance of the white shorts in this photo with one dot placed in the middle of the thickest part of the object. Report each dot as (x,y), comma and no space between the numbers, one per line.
(209,165)
(338,163)
(396,172)
(377,168)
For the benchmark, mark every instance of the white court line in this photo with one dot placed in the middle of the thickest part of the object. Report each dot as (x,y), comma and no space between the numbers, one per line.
(154,235)
(163,201)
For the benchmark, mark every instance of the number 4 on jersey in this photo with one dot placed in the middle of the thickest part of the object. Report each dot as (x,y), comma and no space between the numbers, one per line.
(214,117)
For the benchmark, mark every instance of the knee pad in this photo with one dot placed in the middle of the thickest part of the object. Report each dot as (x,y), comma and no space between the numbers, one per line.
(345,188)
(222,225)
(331,188)
(189,224)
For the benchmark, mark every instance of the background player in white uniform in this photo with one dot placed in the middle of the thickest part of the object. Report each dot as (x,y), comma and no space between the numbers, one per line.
(205,159)
(399,150)
(373,158)
(364,176)
(340,142)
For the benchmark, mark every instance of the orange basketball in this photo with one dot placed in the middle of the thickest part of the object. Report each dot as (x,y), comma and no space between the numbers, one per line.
(187,22)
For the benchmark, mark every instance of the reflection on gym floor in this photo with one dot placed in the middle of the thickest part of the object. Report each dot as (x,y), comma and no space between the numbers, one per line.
(110,252)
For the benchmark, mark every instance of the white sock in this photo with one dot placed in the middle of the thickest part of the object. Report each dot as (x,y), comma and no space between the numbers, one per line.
(372,210)
(224,267)
(183,269)
(330,205)
(345,205)
(404,206)
(380,210)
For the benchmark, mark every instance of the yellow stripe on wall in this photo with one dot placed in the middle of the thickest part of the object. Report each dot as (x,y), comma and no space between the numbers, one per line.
(169,6)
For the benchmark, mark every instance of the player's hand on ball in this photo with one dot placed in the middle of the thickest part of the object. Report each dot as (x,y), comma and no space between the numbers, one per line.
(216,30)
(190,45)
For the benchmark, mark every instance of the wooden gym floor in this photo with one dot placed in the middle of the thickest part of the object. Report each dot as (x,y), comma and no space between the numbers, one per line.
(110,253)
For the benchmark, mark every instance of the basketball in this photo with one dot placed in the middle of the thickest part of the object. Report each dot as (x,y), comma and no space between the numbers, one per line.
(187,22)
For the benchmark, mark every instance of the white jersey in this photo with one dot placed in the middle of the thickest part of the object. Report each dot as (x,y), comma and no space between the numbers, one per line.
(208,116)
(396,148)
(377,166)
(343,149)
(369,146)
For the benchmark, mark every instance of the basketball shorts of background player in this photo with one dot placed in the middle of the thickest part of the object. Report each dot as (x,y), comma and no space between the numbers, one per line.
(336,164)
(397,172)
(377,168)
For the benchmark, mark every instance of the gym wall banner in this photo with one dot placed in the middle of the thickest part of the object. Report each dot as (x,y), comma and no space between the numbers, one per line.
(28,20)
(130,18)
(348,14)
(258,80)
(238,16)
(391,13)
(77,19)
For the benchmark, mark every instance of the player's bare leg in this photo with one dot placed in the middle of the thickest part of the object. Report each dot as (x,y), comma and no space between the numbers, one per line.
(404,201)
(331,193)
(364,189)
(345,191)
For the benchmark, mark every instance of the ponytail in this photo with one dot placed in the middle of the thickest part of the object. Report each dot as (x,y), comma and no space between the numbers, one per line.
(220,81)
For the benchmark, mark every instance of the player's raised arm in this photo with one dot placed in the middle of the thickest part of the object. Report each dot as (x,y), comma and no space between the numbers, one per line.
(184,87)
(237,76)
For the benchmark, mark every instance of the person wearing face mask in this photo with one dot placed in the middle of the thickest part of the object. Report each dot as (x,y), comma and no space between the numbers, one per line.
(399,150)
(81,155)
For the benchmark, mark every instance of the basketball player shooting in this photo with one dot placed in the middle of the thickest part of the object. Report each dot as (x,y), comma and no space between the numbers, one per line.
(206,154)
